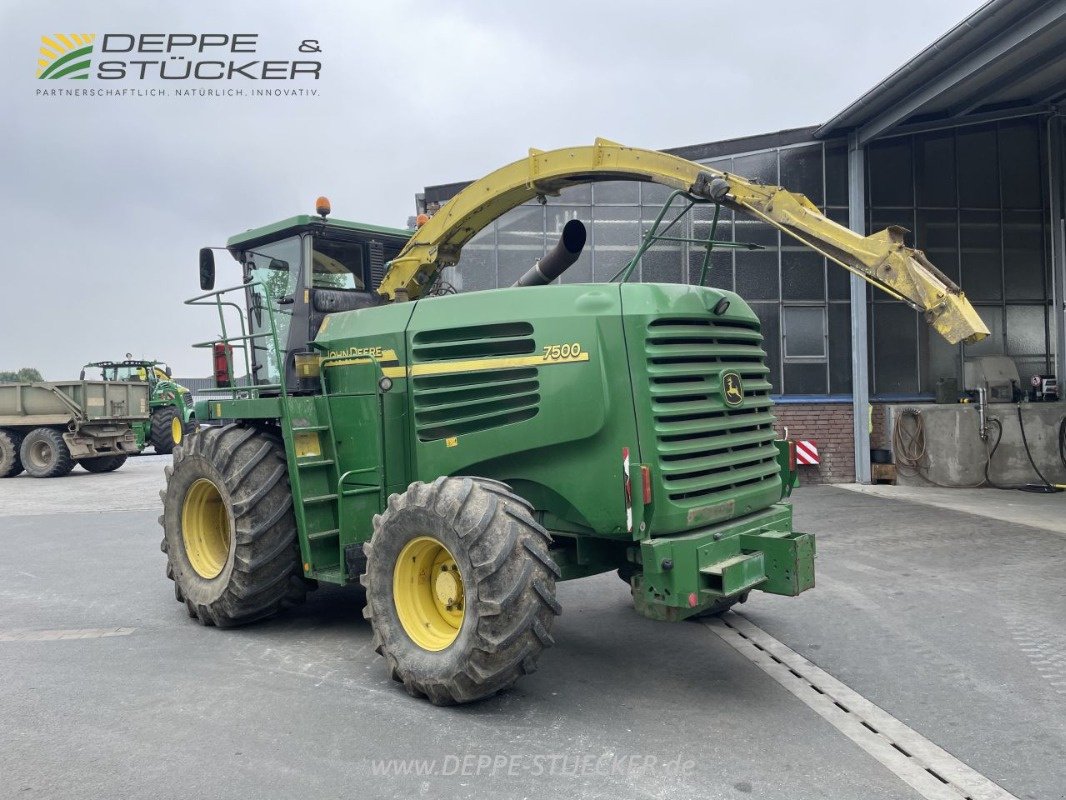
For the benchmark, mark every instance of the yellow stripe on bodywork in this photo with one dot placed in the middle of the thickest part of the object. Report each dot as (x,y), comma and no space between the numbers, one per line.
(469,365)
(482,364)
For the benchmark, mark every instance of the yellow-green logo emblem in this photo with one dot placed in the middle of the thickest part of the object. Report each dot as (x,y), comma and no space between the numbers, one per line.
(65,55)
(732,389)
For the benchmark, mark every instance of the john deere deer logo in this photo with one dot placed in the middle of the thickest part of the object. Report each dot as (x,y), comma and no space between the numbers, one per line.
(732,389)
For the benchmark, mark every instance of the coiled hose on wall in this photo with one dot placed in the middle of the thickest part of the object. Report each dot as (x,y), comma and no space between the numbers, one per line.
(910,451)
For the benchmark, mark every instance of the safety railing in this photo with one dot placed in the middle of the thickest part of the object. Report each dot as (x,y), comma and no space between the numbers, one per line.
(245,342)
(710,243)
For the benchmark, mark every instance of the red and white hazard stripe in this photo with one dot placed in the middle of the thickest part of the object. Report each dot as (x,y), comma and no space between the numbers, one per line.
(806,452)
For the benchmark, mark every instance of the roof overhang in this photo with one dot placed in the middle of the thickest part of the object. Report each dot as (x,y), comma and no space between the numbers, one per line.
(1007,55)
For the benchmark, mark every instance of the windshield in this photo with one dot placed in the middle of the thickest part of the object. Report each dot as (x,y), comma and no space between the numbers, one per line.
(276,268)
(117,372)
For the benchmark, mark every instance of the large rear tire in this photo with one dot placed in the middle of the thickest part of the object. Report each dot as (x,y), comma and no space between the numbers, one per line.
(10,461)
(163,429)
(103,463)
(460,589)
(44,454)
(229,531)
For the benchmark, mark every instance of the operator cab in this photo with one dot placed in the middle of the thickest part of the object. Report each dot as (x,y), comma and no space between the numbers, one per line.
(128,370)
(306,268)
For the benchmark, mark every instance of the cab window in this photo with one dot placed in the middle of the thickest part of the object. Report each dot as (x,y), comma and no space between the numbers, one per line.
(338,265)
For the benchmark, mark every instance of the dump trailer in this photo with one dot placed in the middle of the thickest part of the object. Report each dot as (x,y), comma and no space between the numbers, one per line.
(48,427)
(459,454)
(171,403)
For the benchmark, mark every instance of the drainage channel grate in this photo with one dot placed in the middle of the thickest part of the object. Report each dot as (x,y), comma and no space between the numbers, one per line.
(928,769)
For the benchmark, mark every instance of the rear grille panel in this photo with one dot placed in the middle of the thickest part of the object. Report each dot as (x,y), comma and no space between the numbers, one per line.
(475,341)
(459,403)
(706,450)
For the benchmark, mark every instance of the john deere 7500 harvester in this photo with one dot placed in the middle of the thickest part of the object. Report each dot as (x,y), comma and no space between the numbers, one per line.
(459,454)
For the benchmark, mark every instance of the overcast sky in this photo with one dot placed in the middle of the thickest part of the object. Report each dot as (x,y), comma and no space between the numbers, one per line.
(104,202)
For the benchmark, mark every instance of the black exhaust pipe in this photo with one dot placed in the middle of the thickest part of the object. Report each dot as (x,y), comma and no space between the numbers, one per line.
(560,259)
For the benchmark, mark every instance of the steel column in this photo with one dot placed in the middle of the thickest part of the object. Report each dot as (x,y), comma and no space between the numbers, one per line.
(860,361)
(1056,167)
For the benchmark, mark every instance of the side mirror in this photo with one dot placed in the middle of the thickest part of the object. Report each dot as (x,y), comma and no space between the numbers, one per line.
(168,372)
(207,269)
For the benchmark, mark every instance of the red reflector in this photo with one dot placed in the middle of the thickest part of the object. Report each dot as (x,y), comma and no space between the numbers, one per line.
(692,600)
(223,357)
(791,456)
(645,482)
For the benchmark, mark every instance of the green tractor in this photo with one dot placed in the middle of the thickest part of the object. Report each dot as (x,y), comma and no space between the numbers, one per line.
(459,454)
(171,404)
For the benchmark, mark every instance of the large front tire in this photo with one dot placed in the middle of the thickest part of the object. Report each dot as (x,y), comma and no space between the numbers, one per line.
(460,589)
(10,461)
(229,531)
(162,434)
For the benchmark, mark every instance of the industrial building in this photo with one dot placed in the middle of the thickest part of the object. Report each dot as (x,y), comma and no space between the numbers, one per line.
(963,147)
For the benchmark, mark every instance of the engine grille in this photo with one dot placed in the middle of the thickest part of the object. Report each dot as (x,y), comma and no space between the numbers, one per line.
(706,449)
(464,402)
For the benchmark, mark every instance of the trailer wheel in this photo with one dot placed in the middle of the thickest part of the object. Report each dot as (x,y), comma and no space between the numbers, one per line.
(164,434)
(460,589)
(10,461)
(229,531)
(44,454)
(103,463)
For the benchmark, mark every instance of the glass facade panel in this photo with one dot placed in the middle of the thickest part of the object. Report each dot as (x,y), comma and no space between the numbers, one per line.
(615,236)
(580,195)
(805,378)
(976,166)
(934,170)
(801,171)
(804,332)
(802,274)
(891,183)
(758,166)
(476,269)
(840,348)
(616,193)
(756,274)
(664,262)
(1023,255)
(981,254)
(1020,173)
(1025,331)
(519,241)
(895,355)
(836,174)
(936,231)
(769,315)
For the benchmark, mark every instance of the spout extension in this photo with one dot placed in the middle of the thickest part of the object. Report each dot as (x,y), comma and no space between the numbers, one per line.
(563,256)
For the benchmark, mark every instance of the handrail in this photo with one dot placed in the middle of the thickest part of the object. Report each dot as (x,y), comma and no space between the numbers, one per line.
(214,298)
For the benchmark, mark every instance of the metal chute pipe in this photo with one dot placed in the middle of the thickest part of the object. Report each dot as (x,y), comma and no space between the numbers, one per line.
(566,251)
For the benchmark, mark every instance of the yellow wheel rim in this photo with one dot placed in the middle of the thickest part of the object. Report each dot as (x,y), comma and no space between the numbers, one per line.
(205,529)
(427,589)
(176,430)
